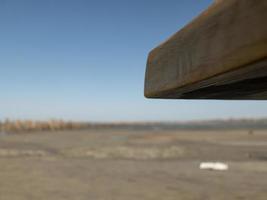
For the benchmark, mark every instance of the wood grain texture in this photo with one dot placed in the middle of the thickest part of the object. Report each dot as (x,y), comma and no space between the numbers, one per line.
(229,36)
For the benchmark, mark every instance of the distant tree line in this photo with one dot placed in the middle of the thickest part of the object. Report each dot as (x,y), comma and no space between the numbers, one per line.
(13,126)
(30,125)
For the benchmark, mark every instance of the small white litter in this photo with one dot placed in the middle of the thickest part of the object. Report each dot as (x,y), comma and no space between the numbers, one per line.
(217,166)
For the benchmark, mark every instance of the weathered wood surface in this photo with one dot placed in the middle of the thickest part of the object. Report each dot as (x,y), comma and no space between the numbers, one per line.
(222,54)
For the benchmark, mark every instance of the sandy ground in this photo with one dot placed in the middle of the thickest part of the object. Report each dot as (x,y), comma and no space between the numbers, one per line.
(130,165)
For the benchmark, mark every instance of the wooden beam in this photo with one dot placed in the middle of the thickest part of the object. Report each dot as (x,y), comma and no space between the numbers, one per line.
(222,54)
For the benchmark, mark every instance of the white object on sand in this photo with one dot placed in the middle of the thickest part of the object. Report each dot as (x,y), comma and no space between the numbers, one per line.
(214,166)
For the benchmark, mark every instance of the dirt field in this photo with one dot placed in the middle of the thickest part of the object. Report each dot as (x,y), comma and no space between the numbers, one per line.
(130,165)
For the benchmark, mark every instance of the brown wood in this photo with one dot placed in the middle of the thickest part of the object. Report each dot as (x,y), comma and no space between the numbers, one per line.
(222,54)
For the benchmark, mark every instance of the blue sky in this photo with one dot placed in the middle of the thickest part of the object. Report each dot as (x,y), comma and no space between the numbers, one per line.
(85,60)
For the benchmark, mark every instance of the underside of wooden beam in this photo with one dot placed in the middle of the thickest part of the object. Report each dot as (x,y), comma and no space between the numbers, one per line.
(222,54)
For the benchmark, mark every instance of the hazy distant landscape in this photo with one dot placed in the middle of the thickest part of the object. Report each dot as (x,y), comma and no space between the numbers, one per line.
(15,126)
(129,161)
